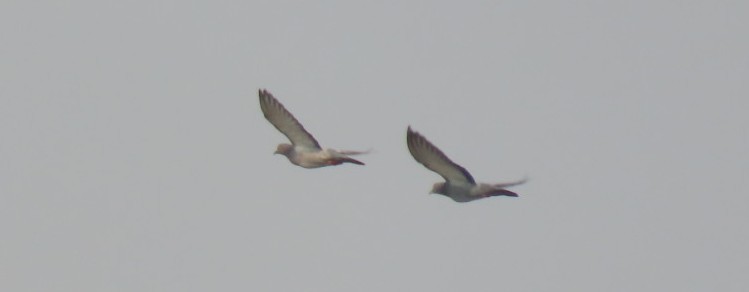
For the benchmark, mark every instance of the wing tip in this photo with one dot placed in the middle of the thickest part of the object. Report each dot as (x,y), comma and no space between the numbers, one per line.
(413,136)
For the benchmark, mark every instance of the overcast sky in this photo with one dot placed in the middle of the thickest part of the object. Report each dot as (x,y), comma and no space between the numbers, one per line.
(134,156)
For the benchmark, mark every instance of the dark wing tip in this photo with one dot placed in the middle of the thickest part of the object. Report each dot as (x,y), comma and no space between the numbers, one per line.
(412,135)
(267,101)
(412,139)
(264,96)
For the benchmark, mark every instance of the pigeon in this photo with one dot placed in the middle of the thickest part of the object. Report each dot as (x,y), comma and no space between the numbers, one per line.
(304,150)
(459,184)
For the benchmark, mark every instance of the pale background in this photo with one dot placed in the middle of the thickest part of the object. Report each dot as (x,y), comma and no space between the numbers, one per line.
(134,156)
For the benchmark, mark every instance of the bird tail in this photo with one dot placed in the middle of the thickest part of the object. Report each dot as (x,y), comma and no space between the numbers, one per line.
(346,160)
(502,192)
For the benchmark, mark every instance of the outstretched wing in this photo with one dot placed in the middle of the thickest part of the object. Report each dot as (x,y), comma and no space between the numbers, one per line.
(512,183)
(432,157)
(285,122)
(354,152)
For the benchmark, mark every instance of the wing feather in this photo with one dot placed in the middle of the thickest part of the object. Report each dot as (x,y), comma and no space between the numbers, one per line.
(432,157)
(285,122)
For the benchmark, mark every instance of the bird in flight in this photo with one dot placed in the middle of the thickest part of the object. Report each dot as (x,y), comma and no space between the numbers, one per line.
(304,150)
(459,184)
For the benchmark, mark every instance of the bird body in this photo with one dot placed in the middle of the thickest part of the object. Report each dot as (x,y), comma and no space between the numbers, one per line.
(459,185)
(313,158)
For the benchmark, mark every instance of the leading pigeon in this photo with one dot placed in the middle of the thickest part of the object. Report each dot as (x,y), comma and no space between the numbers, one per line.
(304,150)
(459,184)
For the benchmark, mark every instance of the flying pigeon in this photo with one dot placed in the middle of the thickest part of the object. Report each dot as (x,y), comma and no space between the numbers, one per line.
(304,150)
(459,184)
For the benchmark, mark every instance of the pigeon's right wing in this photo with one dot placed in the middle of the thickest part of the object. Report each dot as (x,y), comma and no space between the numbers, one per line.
(354,152)
(432,157)
(282,119)
(512,183)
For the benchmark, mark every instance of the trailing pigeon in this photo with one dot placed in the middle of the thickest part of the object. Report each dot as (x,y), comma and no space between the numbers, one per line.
(304,150)
(459,184)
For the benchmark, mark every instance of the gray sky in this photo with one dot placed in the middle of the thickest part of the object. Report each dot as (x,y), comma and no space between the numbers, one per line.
(134,155)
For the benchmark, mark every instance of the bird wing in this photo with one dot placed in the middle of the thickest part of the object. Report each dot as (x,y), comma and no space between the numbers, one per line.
(512,183)
(285,122)
(354,152)
(432,157)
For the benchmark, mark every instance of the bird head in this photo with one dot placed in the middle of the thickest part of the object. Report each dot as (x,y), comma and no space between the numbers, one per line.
(438,188)
(284,149)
